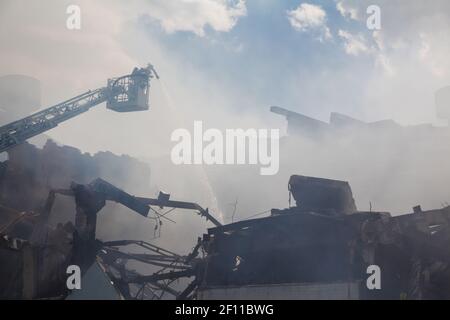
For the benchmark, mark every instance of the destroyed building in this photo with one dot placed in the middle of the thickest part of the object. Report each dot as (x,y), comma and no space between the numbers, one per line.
(35,171)
(26,179)
(387,163)
(318,248)
(321,249)
(299,124)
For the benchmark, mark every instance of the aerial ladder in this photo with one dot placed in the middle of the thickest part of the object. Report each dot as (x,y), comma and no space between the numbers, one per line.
(127,93)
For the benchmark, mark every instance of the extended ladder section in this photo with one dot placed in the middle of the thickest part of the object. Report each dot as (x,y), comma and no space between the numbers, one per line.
(124,94)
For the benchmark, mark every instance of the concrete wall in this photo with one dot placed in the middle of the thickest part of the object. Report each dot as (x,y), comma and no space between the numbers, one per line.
(315,291)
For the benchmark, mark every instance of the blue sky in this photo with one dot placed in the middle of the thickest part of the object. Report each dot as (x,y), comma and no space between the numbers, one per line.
(264,56)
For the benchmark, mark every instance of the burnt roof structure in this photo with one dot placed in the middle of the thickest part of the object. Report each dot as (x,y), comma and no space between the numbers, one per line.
(333,197)
(322,249)
(302,125)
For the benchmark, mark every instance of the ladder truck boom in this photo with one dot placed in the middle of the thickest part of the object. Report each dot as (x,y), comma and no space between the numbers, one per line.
(128,93)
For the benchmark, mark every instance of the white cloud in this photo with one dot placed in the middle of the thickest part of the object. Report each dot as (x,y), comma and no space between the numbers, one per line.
(347,11)
(353,44)
(356,44)
(416,31)
(310,18)
(409,55)
(434,52)
(195,15)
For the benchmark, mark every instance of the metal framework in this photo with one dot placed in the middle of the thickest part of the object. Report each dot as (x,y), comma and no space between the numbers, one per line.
(133,285)
(89,200)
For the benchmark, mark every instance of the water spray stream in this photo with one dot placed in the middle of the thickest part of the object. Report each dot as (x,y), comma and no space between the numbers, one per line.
(180,122)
